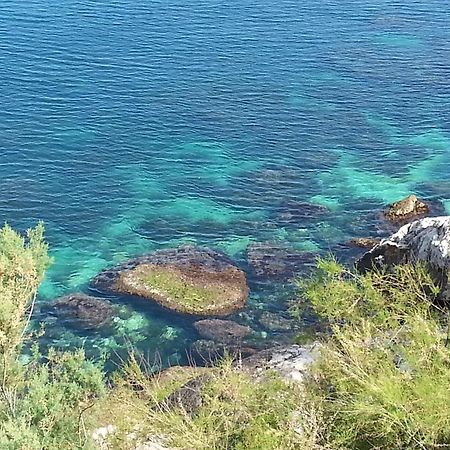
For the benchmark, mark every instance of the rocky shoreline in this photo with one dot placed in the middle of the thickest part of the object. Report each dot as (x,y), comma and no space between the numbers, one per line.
(207,286)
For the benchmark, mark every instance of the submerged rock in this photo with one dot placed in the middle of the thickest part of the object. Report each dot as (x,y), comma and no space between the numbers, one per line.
(222,331)
(292,211)
(275,322)
(406,209)
(83,311)
(271,260)
(187,279)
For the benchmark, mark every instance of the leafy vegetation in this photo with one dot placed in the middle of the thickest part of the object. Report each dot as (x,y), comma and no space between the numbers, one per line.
(41,400)
(383,378)
(235,411)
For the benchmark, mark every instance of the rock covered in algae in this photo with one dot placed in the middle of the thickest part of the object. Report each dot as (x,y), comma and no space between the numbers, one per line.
(188,279)
(406,209)
(83,311)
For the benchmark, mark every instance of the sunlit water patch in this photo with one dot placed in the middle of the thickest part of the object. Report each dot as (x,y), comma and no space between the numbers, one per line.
(129,128)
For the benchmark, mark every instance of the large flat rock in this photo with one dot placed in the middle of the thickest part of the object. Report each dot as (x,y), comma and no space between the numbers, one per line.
(188,279)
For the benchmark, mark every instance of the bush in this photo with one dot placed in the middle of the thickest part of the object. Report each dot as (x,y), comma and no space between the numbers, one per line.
(42,401)
(383,378)
(236,411)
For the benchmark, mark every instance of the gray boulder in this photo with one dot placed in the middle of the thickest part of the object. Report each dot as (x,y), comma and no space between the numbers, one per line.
(290,362)
(426,240)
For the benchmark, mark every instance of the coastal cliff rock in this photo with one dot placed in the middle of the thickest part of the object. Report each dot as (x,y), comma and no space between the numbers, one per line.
(426,240)
(408,208)
(188,280)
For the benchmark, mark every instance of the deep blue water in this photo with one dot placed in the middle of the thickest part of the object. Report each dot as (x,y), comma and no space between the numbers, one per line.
(130,126)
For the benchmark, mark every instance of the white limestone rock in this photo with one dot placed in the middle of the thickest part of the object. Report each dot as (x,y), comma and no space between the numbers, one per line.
(426,240)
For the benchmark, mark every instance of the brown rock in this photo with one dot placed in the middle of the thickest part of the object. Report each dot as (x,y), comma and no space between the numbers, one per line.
(83,311)
(188,280)
(363,242)
(406,209)
(222,331)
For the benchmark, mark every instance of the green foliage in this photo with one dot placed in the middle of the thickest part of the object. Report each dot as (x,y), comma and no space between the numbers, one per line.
(49,399)
(236,411)
(23,261)
(42,402)
(381,382)
(341,296)
(383,378)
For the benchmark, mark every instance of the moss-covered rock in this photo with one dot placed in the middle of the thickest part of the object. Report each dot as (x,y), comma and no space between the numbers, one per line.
(188,280)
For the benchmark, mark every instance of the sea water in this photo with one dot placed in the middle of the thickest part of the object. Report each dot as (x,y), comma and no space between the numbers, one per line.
(129,126)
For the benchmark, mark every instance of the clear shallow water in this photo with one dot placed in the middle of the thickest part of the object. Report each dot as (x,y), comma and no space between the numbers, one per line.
(129,127)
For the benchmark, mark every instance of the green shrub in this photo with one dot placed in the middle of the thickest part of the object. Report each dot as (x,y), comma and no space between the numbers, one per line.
(383,377)
(23,261)
(236,412)
(42,401)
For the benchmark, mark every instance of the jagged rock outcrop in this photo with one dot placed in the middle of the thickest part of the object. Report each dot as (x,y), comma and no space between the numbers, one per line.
(290,362)
(426,240)
(188,279)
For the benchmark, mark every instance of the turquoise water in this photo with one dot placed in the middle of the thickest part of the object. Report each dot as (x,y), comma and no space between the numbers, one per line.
(132,126)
